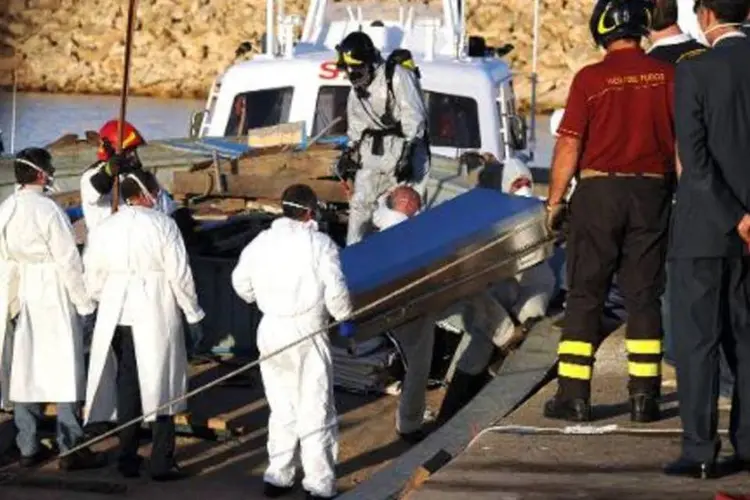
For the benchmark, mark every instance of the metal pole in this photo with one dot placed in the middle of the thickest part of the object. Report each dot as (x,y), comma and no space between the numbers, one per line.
(534,80)
(13,114)
(123,101)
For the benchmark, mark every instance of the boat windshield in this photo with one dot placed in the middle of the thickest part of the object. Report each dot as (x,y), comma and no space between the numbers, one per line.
(454,120)
(259,108)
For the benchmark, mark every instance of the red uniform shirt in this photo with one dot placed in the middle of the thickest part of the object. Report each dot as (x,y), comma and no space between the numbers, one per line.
(622,111)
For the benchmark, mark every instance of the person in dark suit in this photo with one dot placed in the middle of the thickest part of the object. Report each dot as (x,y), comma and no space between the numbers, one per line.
(668,42)
(708,255)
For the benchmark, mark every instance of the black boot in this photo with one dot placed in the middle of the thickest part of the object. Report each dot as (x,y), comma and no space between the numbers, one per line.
(688,468)
(644,408)
(573,410)
(462,389)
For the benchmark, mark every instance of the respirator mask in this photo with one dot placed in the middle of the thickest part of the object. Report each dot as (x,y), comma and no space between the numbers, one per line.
(49,184)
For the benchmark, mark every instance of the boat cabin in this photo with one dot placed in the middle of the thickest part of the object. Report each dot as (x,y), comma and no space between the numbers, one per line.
(468,88)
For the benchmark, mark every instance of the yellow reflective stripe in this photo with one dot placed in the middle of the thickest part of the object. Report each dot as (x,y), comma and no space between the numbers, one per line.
(643,346)
(349,60)
(570,370)
(644,369)
(576,348)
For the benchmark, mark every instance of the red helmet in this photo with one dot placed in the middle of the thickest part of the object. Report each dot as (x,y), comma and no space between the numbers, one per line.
(131,138)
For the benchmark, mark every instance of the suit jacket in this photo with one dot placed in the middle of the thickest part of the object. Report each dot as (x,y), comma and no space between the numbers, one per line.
(712,122)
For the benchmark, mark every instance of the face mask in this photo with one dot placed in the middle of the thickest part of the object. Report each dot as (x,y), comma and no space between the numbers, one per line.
(702,33)
(145,191)
(315,214)
(49,178)
(524,191)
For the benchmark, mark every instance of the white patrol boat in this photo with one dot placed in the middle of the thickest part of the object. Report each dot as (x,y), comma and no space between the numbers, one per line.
(468,88)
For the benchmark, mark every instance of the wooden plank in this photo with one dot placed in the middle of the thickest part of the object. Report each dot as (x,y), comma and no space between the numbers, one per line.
(257,186)
(283,134)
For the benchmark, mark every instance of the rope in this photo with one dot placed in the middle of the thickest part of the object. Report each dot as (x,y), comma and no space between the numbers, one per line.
(581,430)
(261,359)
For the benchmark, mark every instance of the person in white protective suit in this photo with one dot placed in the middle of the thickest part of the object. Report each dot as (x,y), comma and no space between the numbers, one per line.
(136,268)
(387,129)
(97,180)
(294,274)
(42,288)
(498,318)
(416,338)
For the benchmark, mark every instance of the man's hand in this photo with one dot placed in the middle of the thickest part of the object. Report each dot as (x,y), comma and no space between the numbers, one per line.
(743,228)
(404,171)
(556,215)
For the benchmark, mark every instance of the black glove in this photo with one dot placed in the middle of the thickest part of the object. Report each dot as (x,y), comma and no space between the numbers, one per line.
(123,164)
(557,219)
(404,169)
(348,164)
(199,344)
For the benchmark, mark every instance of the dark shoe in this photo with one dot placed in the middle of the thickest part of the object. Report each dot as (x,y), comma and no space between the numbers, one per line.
(573,410)
(413,437)
(689,468)
(130,467)
(462,389)
(83,459)
(644,409)
(310,496)
(170,475)
(273,491)
(37,458)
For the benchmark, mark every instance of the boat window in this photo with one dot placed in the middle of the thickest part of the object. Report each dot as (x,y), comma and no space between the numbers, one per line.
(259,108)
(330,105)
(454,120)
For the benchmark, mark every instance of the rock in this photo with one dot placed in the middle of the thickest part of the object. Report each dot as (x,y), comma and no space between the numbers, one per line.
(181,45)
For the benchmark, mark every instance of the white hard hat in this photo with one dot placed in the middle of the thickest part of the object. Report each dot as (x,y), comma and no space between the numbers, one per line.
(554,121)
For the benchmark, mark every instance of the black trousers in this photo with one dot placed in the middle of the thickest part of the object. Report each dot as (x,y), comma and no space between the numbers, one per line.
(711,308)
(129,407)
(618,225)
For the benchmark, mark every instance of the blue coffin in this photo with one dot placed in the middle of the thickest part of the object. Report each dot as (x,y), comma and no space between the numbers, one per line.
(443,255)
(431,237)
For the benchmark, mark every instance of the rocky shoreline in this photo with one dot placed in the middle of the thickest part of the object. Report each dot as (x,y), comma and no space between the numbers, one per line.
(77,46)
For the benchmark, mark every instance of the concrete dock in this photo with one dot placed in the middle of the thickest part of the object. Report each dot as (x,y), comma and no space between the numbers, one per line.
(502,466)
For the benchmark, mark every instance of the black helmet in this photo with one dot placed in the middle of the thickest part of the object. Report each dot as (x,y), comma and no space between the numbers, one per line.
(358,56)
(617,19)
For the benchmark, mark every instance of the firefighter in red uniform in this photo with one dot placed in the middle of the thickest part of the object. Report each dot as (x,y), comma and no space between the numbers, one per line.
(618,133)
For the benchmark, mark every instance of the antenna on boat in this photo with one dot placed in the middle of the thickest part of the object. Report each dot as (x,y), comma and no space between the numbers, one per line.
(123,102)
(270,39)
(13,113)
(534,80)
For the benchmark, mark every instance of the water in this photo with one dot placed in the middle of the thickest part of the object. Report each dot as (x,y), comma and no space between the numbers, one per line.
(42,118)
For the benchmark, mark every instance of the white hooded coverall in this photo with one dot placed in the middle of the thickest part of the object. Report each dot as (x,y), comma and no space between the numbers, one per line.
(377,174)
(97,207)
(486,318)
(42,280)
(294,274)
(415,339)
(136,268)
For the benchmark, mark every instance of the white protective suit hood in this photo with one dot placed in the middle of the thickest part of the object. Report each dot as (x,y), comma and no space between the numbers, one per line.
(513,169)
